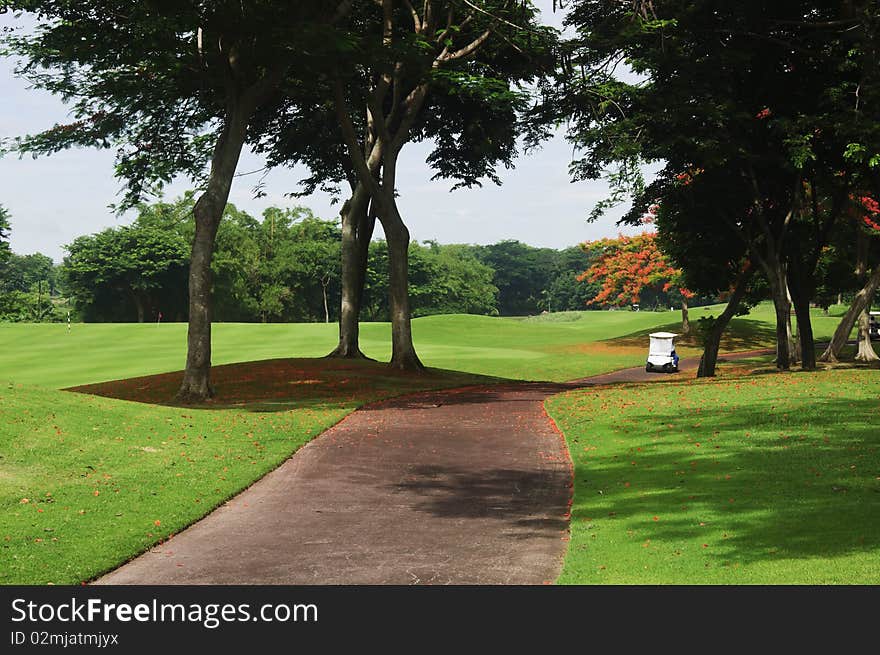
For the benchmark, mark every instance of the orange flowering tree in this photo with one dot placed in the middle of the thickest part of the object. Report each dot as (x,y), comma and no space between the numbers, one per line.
(626,267)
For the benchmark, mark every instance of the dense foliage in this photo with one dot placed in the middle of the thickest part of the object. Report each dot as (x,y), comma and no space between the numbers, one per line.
(629,268)
(283,267)
(765,116)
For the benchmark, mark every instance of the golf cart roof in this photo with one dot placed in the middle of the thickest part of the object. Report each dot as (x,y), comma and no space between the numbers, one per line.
(874,313)
(662,335)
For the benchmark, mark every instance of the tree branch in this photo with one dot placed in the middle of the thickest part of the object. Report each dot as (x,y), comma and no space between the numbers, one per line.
(362,165)
(498,18)
(468,49)
(417,22)
(413,104)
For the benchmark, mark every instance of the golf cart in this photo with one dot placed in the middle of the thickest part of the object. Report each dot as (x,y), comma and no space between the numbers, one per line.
(661,354)
(874,325)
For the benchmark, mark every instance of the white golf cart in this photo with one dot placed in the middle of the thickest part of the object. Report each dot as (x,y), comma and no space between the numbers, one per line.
(661,354)
(874,325)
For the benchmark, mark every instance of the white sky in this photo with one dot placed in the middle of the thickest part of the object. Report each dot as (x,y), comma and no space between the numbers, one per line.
(54,199)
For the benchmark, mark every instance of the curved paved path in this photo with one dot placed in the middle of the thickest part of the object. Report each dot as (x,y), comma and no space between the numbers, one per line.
(468,486)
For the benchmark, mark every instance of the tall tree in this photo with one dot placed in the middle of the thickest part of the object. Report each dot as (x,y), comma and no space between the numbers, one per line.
(26,272)
(445,70)
(522,274)
(627,267)
(175,95)
(764,93)
(711,262)
(135,263)
(867,229)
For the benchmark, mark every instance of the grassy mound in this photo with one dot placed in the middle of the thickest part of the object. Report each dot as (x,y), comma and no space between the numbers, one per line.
(536,349)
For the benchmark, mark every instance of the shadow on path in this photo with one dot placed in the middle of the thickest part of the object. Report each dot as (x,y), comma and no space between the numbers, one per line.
(464,486)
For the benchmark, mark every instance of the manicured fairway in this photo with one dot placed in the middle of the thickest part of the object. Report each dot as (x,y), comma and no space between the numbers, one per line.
(84,480)
(541,348)
(767,479)
(49,355)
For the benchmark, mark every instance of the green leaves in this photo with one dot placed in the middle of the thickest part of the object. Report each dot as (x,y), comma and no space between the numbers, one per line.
(800,149)
(858,153)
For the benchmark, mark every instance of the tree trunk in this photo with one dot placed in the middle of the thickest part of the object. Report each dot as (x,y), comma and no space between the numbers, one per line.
(858,305)
(357,230)
(779,293)
(801,301)
(709,359)
(403,352)
(685,320)
(324,282)
(866,350)
(208,210)
(138,305)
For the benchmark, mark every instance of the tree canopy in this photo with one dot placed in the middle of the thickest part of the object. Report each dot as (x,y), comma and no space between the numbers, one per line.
(772,107)
(173,87)
(284,265)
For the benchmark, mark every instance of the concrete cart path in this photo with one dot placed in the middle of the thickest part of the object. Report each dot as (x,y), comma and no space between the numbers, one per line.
(468,486)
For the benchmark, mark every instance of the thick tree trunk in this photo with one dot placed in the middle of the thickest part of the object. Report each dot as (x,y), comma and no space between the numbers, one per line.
(709,359)
(403,352)
(866,350)
(685,320)
(794,347)
(801,300)
(779,294)
(794,344)
(858,305)
(357,231)
(208,210)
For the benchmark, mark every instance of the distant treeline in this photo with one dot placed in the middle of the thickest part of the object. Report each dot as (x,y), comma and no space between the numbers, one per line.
(282,268)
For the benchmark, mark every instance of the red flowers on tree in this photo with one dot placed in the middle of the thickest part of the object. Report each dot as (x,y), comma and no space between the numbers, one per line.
(872,215)
(628,266)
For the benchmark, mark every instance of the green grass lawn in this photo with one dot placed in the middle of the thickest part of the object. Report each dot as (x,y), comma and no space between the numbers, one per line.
(48,355)
(151,463)
(766,479)
(88,482)
(539,348)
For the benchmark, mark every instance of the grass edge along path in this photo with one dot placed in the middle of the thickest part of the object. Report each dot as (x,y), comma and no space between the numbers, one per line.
(762,479)
(88,483)
(460,486)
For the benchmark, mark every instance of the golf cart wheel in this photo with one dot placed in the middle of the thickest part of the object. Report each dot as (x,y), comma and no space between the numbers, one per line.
(667,368)
(649,368)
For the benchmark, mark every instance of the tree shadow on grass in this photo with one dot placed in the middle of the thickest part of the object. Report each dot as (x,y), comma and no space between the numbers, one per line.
(741,334)
(804,487)
(279,385)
